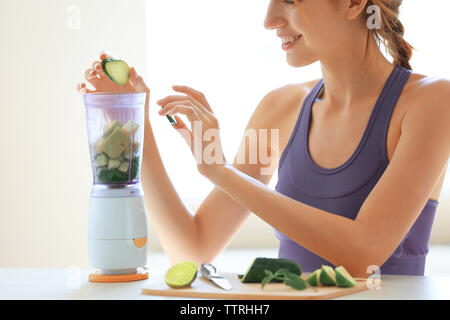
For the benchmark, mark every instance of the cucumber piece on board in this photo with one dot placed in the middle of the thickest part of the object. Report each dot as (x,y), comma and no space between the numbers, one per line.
(255,272)
(314,278)
(327,276)
(116,70)
(343,278)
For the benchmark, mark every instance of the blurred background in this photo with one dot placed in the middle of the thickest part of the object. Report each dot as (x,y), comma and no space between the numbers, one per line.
(217,47)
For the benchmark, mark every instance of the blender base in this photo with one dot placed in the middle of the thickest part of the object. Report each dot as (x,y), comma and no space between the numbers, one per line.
(98,276)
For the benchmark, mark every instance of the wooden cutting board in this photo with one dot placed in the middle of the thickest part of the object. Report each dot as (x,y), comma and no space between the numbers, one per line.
(202,288)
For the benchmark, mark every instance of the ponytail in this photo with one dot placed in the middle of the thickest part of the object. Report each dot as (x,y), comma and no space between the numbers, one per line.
(392,31)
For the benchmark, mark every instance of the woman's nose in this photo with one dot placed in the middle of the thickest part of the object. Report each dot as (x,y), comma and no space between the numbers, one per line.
(273,19)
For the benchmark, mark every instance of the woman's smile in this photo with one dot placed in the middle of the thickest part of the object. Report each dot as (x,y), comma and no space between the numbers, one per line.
(288,45)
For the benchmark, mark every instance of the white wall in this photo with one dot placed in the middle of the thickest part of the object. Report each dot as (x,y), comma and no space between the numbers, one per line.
(45,167)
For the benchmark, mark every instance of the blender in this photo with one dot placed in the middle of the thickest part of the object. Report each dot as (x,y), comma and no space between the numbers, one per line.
(117,226)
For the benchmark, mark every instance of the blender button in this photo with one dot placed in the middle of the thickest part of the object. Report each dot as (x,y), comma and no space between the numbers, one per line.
(140,242)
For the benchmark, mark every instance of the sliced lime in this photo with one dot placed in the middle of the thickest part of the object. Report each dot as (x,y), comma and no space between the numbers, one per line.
(181,275)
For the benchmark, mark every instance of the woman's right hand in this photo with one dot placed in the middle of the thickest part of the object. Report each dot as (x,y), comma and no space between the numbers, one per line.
(101,83)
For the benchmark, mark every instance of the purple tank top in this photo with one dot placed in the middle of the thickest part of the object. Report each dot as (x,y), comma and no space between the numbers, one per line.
(342,190)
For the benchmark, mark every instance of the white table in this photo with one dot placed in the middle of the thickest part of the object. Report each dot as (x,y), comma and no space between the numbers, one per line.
(72,283)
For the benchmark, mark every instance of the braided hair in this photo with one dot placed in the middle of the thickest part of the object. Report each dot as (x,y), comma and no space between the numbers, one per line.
(391,32)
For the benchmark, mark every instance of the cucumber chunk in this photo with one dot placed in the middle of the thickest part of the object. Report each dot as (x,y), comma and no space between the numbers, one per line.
(327,276)
(101,161)
(113,164)
(314,278)
(130,127)
(109,127)
(113,144)
(343,278)
(124,166)
(98,146)
(116,70)
(255,272)
(115,152)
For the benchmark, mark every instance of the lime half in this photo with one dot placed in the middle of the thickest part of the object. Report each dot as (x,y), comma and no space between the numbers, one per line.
(181,275)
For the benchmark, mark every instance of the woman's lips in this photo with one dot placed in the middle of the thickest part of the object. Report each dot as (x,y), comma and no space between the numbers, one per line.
(286,46)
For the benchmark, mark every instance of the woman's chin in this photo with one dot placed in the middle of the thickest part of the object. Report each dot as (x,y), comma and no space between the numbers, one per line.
(298,61)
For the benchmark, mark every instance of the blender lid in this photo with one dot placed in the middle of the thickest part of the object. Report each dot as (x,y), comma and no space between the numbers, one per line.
(105,99)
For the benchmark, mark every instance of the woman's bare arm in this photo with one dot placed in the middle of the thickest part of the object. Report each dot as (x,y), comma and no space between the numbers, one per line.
(201,237)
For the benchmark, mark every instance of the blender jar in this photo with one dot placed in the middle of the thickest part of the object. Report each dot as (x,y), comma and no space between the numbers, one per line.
(115,134)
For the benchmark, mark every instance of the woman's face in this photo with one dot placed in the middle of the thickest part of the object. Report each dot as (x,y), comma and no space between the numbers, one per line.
(322,24)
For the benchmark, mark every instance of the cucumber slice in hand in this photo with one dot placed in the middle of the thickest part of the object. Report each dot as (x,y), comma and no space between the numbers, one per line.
(117,70)
(181,275)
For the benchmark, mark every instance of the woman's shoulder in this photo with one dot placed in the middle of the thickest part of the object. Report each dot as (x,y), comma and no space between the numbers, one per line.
(292,94)
(426,88)
(293,90)
(282,102)
(428,93)
(428,100)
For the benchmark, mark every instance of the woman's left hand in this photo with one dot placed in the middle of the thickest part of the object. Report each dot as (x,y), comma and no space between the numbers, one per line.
(204,136)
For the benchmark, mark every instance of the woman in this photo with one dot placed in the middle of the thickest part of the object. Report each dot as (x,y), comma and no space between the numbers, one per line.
(364,149)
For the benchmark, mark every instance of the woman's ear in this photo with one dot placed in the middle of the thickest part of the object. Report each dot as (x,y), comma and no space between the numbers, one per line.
(355,8)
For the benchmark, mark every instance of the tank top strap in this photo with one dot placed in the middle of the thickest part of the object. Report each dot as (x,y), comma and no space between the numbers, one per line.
(388,100)
(307,102)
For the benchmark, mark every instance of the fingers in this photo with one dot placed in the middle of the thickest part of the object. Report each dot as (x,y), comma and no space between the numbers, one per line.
(97,66)
(137,82)
(91,76)
(171,98)
(81,88)
(184,131)
(104,56)
(134,77)
(170,108)
(180,123)
(179,98)
(195,94)
(189,111)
